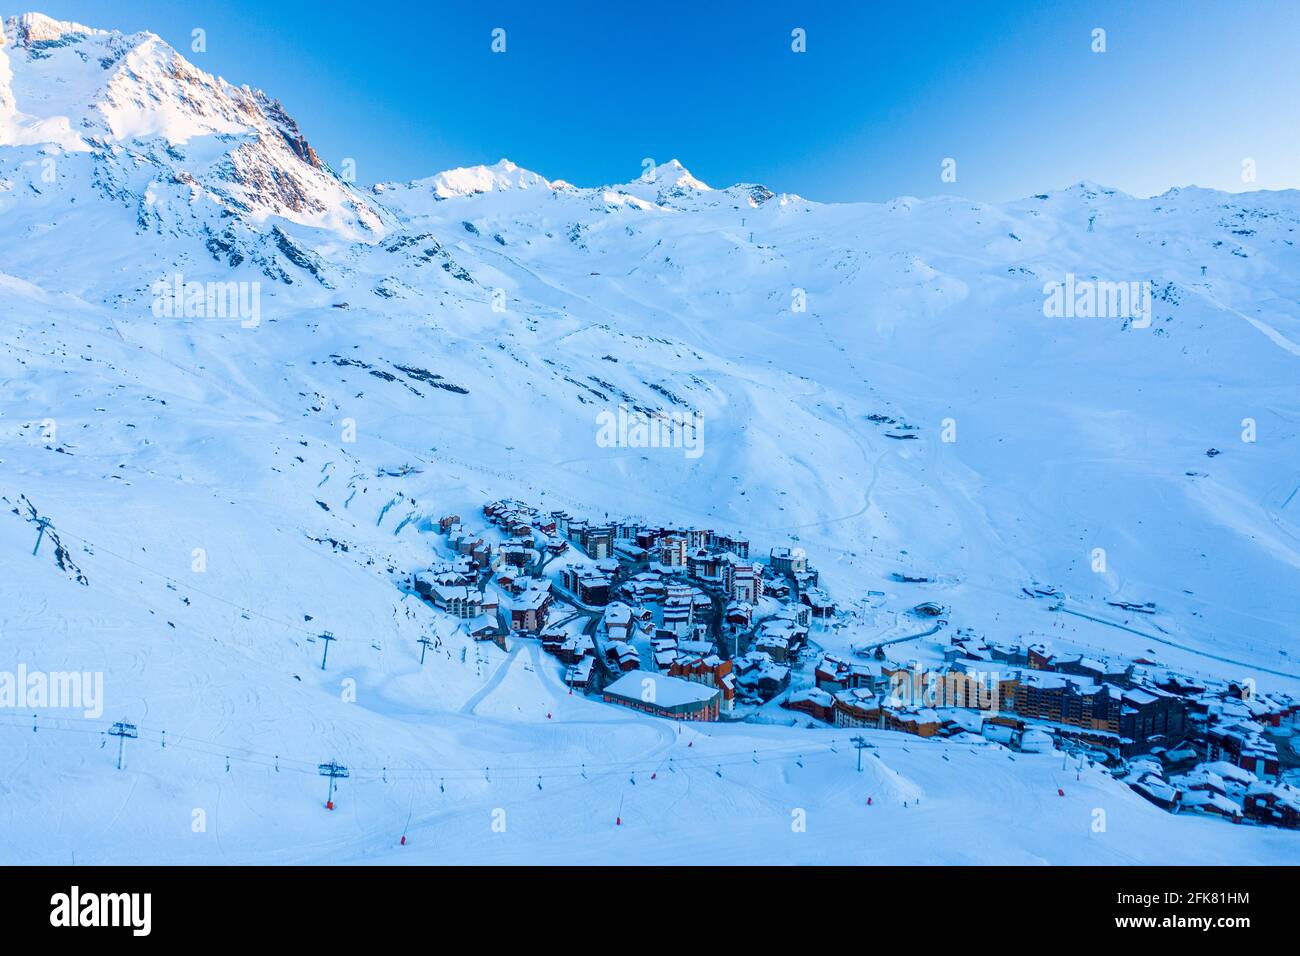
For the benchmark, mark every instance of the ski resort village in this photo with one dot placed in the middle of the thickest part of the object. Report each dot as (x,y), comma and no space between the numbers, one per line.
(685,624)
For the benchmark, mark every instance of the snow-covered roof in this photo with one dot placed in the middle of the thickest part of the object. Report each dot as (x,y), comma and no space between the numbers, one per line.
(663,691)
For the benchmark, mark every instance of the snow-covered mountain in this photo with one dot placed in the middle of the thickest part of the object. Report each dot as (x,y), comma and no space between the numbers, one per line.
(884,384)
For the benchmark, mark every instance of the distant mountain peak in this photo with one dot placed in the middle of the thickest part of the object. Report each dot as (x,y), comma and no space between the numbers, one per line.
(36,29)
(473,180)
(671,174)
(160,128)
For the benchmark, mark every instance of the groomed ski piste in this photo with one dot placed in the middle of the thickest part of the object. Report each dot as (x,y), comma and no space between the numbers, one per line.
(220,491)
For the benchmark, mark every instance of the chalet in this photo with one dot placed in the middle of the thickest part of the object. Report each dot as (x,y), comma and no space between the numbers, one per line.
(701,611)
(765,681)
(857,707)
(579,675)
(1201,779)
(921,721)
(678,609)
(797,612)
(805,581)
(446,522)
(575,648)
(705,565)
(776,589)
(1273,710)
(814,702)
(818,601)
(513,554)
(631,553)
(460,600)
(1015,655)
(688,646)
(968,647)
(512,580)
(665,696)
(834,674)
(528,609)
(774,644)
(623,656)
(781,637)
(553,639)
(739,616)
(424,582)
(788,561)
(708,669)
(1287,709)
(589,587)
(1178,684)
(1242,744)
(1153,788)
(1277,804)
(1038,657)
(482,628)
(1236,779)
(618,621)
(1099,671)
(1205,801)
(735,545)
(645,588)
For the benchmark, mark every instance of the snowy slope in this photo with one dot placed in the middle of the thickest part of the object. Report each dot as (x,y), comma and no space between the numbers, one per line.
(472,325)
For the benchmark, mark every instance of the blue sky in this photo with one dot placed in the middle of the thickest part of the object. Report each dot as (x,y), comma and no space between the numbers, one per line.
(1185,92)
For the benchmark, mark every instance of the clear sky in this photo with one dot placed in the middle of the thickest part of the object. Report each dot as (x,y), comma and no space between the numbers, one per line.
(1185,91)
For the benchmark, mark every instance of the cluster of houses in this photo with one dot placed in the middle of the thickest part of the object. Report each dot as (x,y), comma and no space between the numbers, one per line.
(719,564)
(1109,704)
(667,598)
(670,600)
(453,587)
(1156,719)
(1219,788)
(849,694)
(1128,707)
